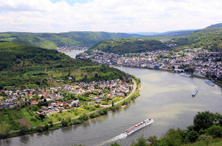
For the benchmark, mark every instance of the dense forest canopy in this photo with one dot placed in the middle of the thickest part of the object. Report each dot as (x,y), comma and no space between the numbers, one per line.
(128,45)
(28,66)
(209,38)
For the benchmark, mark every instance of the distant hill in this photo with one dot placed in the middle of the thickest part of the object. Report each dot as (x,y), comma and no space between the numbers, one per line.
(208,38)
(128,45)
(177,33)
(215,25)
(18,56)
(54,40)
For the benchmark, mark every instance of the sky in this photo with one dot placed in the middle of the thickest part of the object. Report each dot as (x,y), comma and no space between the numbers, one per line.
(108,15)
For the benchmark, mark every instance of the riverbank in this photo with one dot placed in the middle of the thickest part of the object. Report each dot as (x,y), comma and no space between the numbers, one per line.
(79,119)
(195,76)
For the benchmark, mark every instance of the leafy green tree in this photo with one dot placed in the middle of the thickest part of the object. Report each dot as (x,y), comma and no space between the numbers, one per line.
(115,144)
(152,139)
(23,129)
(192,136)
(215,131)
(140,142)
(203,120)
(6,129)
(65,123)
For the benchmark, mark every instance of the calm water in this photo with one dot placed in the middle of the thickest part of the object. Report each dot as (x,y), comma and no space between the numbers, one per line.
(164,96)
(74,53)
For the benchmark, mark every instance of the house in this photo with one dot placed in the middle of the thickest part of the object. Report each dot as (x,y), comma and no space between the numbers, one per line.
(34,102)
(75,103)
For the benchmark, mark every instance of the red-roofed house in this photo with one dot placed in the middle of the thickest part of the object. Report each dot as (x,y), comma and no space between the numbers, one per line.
(34,101)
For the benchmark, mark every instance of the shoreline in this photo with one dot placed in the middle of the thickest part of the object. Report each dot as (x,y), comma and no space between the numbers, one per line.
(57,125)
(193,76)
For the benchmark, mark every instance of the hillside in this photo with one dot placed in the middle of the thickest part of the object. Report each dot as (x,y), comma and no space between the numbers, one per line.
(54,40)
(28,66)
(208,38)
(215,25)
(177,33)
(128,45)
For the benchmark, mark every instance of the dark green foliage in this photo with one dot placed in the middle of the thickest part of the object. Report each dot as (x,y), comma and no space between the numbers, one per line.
(192,136)
(203,120)
(140,142)
(84,117)
(115,144)
(18,61)
(23,129)
(129,45)
(65,123)
(215,131)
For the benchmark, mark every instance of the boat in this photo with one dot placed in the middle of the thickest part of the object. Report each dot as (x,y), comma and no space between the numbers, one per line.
(209,82)
(185,75)
(139,126)
(195,92)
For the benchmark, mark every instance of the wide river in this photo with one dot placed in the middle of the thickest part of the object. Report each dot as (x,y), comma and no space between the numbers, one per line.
(164,96)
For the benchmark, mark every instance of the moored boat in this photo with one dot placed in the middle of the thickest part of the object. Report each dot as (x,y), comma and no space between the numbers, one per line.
(185,75)
(209,82)
(139,126)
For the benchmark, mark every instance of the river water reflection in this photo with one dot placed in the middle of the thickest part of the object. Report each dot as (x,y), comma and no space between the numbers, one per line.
(164,96)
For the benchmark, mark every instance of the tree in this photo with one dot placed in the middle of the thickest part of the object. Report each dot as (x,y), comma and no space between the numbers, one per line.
(215,131)
(51,123)
(115,144)
(6,129)
(204,120)
(23,129)
(152,139)
(141,142)
(192,136)
(65,123)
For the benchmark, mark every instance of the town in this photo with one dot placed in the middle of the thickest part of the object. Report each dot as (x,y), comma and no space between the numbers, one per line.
(67,96)
(198,61)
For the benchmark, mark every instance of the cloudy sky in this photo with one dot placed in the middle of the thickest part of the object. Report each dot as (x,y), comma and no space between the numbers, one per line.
(108,15)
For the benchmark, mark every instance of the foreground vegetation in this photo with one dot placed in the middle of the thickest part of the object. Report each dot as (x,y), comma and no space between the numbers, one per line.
(207,126)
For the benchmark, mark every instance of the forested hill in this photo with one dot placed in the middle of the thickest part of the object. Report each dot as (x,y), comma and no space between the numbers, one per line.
(25,66)
(16,56)
(128,45)
(54,40)
(208,38)
(215,25)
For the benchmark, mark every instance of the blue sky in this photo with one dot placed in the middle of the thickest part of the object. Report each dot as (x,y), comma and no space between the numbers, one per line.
(108,15)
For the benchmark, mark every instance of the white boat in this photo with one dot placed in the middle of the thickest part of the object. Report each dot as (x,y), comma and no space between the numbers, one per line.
(185,75)
(139,126)
(195,92)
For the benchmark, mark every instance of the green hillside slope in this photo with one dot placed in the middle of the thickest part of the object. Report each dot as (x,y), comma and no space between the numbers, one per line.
(54,40)
(24,66)
(209,38)
(128,45)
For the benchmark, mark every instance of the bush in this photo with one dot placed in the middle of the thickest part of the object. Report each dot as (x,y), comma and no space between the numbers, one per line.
(23,129)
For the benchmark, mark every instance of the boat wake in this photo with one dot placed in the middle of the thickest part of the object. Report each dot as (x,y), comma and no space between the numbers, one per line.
(121,136)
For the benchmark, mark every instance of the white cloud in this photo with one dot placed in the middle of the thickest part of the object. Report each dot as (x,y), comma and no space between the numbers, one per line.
(108,15)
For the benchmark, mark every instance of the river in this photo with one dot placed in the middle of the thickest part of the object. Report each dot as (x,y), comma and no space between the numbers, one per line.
(164,96)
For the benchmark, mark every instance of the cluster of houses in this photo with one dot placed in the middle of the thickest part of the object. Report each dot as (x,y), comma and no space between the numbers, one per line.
(204,62)
(106,90)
